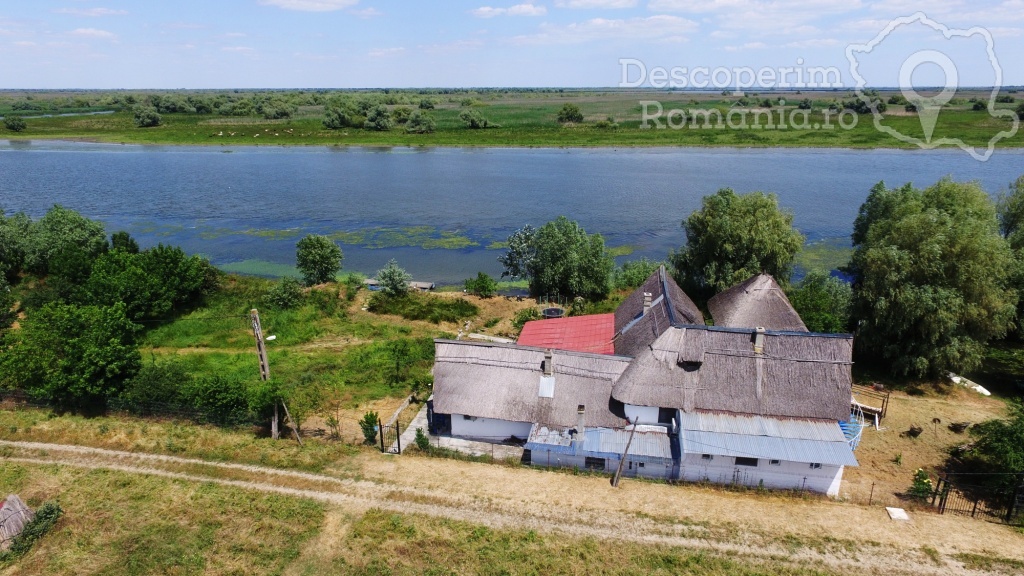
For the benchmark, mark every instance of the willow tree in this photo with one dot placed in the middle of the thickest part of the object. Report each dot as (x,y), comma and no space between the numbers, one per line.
(733,237)
(932,278)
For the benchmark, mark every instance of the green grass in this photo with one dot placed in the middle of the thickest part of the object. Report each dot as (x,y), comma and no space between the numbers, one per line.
(117,523)
(415,306)
(529,119)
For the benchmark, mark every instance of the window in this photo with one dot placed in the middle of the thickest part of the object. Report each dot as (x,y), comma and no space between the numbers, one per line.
(707,457)
(775,462)
(815,466)
(593,463)
(746,462)
(638,464)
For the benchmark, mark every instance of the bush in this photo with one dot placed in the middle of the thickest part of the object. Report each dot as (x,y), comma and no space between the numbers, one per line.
(14,123)
(633,273)
(379,119)
(394,281)
(353,284)
(483,285)
(368,425)
(524,316)
(570,113)
(45,519)
(422,441)
(285,294)
(921,487)
(978,106)
(423,307)
(474,121)
(147,117)
(420,123)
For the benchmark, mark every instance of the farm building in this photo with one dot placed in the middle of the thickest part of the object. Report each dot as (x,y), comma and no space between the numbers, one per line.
(755,400)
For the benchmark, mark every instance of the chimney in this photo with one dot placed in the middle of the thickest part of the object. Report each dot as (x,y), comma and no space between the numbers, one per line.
(581,420)
(647,302)
(759,340)
(549,365)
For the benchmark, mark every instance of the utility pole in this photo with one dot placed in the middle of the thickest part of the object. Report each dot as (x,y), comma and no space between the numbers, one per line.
(261,352)
(618,472)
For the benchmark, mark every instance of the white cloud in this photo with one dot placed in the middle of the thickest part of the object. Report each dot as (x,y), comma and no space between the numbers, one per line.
(517,10)
(381,52)
(653,28)
(813,43)
(90,12)
(366,13)
(24,44)
(235,35)
(453,46)
(589,4)
(93,33)
(239,49)
(311,5)
(747,46)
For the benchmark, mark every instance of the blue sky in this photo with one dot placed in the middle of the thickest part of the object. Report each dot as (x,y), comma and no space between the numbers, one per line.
(459,43)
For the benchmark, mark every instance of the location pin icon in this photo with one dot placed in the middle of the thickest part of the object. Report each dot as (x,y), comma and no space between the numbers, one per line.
(928,107)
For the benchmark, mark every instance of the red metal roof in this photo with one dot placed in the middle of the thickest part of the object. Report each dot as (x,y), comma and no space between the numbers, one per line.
(578,333)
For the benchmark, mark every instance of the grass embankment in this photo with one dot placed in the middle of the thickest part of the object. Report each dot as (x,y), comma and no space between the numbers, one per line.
(121,523)
(530,120)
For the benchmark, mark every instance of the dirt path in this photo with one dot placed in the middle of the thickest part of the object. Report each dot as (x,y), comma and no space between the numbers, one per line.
(845,537)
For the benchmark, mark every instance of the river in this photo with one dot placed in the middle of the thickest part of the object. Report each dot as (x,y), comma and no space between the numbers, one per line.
(440,211)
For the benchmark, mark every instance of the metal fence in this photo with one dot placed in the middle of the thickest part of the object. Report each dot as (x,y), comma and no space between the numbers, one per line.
(952,495)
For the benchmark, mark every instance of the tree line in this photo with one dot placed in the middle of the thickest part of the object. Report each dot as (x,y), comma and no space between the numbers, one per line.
(936,273)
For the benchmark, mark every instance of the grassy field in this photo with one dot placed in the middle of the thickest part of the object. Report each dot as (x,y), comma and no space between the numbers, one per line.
(530,119)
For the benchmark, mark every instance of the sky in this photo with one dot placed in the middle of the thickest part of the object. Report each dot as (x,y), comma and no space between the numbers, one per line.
(104,44)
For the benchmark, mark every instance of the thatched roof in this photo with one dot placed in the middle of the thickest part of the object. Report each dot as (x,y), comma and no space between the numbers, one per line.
(635,330)
(711,368)
(14,514)
(759,301)
(502,381)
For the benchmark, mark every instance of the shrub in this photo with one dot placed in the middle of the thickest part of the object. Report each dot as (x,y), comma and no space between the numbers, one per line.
(14,123)
(633,273)
(524,316)
(379,119)
(422,441)
(147,117)
(483,285)
(474,121)
(423,307)
(921,487)
(353,284)
(368,425)
(394,281)
(420,123)
(570,113)
(45,519)
(285,294)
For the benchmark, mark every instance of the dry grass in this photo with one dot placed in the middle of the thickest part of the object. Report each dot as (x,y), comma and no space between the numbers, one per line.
(878,450)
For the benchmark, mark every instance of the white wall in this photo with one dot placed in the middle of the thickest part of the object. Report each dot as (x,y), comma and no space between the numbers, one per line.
(786,476)
(646,414)
(487,429)
(543,459)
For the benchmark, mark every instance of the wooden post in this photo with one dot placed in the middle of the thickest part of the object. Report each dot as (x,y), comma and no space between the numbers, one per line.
(295,427)
(618,472)
(398,435)
(261,353)
(380,431)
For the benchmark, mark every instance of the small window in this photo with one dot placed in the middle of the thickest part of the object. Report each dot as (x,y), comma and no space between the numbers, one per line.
(815,465)
(593,463)
(746,462)
(775,462)
(639,464)
(707,457)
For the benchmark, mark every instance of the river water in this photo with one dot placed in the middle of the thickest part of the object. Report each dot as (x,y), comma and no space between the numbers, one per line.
(439,211)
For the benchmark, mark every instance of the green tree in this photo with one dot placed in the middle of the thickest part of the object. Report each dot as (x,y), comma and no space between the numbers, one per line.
(823,302)
(733,237)
(337,118)
(420,123)
(1010,207)
(379,119)
(483,285)
(147,117)
(124,241)
(368,424)
(284,295)
(73,357)
(394,281)
(931,278)
(15,232)
(634,273)
(14,123)
(568,262)
(7,312)
(998,449)
(318,259)
(519,254)
(570,113)
(58,230)
(474,120)
(426,104)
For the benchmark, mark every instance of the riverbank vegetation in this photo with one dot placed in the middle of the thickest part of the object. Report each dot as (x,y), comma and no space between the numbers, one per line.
(499,117)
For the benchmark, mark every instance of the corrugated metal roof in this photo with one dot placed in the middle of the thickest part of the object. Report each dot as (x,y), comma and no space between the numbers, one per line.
(591,333)
(650,443)
(794,440)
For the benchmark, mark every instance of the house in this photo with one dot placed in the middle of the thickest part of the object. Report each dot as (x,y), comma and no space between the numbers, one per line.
(755,399)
